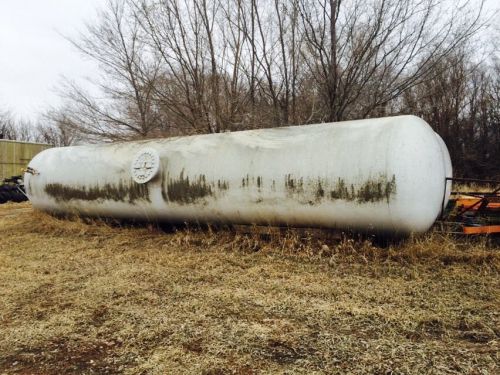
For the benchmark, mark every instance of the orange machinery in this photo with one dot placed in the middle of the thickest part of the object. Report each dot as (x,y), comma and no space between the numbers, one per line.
(475,212)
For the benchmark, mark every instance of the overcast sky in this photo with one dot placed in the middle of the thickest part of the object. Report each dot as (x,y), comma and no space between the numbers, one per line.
(34,56)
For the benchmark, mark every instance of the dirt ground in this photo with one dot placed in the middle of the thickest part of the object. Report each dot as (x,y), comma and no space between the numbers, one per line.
(89,297)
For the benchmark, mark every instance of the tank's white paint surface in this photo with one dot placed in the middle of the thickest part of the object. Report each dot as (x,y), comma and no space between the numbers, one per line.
(448,170)
(385,174)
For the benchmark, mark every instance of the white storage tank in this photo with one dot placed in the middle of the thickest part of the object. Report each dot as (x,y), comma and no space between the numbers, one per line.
(376,175)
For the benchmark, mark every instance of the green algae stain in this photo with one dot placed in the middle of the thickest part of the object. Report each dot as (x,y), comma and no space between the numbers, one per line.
(342,191)
(290,183)
(373,190)
(121,192)
(245,181)
(377,190)
(294,185)
(222,185)
(259,182)
(182,190)
(320,192)
(164,194)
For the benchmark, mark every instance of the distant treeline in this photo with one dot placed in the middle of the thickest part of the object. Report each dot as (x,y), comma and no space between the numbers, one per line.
(175,67)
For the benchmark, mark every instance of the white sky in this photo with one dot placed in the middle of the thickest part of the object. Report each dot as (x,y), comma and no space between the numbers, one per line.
(34,56)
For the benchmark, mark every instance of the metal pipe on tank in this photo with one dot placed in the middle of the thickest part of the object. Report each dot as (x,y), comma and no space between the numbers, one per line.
(376,175)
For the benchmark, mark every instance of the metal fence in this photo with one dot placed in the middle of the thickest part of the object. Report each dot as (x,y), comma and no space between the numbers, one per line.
(15,156)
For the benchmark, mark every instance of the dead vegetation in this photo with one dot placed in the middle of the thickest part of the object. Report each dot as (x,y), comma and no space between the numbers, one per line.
(91,297)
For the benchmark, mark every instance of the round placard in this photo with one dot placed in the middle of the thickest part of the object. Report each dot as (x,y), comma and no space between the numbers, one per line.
(145,165)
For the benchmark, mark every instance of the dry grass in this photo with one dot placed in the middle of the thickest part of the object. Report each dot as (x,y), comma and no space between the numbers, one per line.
(79,297)
(483,188)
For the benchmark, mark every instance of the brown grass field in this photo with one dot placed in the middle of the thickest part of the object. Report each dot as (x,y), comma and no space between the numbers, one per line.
(94,298)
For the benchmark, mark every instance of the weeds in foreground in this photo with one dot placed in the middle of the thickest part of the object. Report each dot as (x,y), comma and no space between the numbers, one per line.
(90,296)
(433,248)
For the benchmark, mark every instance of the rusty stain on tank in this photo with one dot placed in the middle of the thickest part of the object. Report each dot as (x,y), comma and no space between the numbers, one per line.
(123,192)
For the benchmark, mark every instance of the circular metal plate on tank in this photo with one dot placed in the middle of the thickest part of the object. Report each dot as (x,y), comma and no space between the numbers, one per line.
(145,165)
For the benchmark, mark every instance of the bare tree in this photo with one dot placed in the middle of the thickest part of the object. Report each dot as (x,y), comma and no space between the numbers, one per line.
(461,103)
(57,128)
(16,129)
(7,126)
(196,66)
(175,33)
(365,53)
(129,74)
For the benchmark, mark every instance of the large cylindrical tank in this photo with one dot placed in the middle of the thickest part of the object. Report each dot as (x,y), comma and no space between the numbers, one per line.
(376,175)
